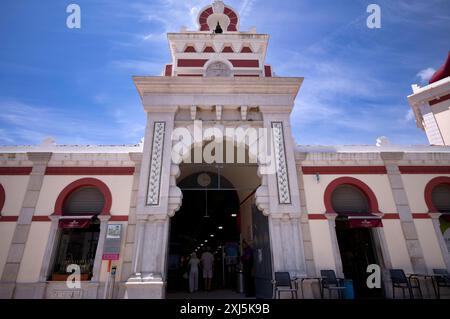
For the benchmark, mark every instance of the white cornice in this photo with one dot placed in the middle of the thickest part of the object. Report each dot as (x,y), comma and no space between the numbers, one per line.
(88,149)
(219,85)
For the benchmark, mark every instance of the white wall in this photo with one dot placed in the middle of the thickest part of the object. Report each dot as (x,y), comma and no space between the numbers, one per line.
(6,233)
(119,185)
(30,266)
(396,244)
(322,245)
(15,187)
(430,246)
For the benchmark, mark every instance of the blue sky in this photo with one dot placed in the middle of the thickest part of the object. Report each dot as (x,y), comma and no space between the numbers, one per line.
(75,84)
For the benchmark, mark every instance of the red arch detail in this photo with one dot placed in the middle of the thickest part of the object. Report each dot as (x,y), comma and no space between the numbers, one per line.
(69,189)
(372,199)
(429,189)
(203,17)
(2,197)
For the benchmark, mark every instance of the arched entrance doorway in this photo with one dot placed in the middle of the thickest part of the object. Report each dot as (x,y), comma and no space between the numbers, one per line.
(218,212)
(207,219)
(354,231)
(437,198)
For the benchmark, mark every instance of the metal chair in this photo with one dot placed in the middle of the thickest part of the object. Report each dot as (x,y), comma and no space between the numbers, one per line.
(331,282)
(399,280)
(283,283)
(442,279)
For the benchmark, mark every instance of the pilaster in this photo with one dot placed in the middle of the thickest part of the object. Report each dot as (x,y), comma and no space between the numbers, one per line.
(20,237)
(410,234)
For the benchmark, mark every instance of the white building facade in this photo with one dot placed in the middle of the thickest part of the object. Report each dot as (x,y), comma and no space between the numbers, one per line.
(304,209)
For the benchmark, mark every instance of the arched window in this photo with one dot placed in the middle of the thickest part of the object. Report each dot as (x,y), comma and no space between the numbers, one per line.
(79,231)
(440,196)
(349,199)
(2,198)
(353,201)
(85,200)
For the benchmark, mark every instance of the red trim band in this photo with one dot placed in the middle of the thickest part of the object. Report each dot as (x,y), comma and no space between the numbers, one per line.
(316,216)
(420,216)
(9,218)
(424,169)
(191,62)
(15,170)
(89,171)
(245,63)
(81,183)
(41,219)
(391,216)
(312,170)
(118,218)
(441,99)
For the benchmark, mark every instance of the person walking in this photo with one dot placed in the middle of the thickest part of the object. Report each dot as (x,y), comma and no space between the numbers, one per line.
(247,263)
(208,265)
(193,273)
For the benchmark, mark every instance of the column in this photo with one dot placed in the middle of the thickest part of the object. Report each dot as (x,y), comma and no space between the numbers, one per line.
(331,217)
(287,244)
(306,232)
(440,238)
(127,266)
(99,251)
(20,237)
(158,198)
(279,197)
(415,252)
(50,248)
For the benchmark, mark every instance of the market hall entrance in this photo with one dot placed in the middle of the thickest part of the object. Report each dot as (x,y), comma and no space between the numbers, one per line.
(355,231)
(218,214)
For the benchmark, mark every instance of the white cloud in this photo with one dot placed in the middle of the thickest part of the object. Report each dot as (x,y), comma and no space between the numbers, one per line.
(426,74)
(409,116)
(246,7)
(26,123)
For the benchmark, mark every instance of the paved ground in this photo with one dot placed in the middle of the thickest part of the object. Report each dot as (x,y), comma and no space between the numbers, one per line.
(215,294)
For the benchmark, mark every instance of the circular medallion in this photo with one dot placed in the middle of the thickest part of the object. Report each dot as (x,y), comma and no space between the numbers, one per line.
(203,179)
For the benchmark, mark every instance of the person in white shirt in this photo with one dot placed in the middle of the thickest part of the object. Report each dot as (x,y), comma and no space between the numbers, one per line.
(193,272)
(208,265)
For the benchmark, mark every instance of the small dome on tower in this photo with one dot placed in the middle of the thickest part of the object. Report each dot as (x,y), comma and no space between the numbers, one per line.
(218,14)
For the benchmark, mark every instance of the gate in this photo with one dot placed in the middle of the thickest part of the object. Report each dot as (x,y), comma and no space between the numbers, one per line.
(262,255)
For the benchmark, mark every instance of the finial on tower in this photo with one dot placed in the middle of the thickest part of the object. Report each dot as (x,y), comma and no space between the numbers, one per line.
(218,7)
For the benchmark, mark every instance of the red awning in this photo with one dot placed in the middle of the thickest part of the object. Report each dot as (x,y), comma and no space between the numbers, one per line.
(360,220)
(75,221)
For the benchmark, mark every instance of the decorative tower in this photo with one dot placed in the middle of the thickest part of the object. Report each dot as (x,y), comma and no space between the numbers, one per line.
(217,80)
(218,48)
(431,106)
